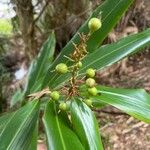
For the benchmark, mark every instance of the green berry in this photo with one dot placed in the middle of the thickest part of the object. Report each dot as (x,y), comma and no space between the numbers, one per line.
(63,106)
(61,68)
(55,95)
(90,73)
(92,91)
(88,102)
(79,64)
(94,24)
(90,82)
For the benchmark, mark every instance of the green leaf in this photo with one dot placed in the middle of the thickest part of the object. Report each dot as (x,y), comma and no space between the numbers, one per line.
(40,66)
(134,102)
(18,129)
(107,55)
(58,130)
(18,96)
(111,13)
(33,143)
(85,125)
(4,119)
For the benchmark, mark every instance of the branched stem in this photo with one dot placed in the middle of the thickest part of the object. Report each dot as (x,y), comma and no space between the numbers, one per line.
(78,54)
(72,89)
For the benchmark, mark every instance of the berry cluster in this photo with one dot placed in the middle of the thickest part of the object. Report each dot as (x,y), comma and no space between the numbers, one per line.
(55,96)
(76,57)
(90,83)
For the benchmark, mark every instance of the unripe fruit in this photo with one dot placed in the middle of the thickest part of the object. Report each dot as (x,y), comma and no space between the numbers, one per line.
(90,82)
(61,68)
(55,95)
(88,102)
(94,24)
(63,106)
(90,73)
(79,64)
(92,91)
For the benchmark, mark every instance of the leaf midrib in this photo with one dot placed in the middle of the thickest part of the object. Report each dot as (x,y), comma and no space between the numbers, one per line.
(117,49)
(124,96)
(7,123)
(59,129)
(87,128)
(42,62)
(103,19)
(23,123)
(128,110)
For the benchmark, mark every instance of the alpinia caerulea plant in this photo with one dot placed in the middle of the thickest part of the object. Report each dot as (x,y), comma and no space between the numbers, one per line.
(65,89)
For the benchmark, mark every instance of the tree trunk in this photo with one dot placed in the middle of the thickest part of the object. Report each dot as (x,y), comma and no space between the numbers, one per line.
(24,10)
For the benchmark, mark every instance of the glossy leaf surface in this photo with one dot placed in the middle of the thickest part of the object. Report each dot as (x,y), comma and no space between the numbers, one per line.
(17,130)
(58,130)
(40,66)
(109,54)
(134,102)
(85,125)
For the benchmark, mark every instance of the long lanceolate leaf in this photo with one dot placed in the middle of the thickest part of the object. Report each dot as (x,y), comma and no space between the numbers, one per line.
(40,66)
(58,130)
(85,125)
(33,142)
(37,70)
(16,97)
(4,119)
(134,102)
(18,129)
(109,54)
(111,11)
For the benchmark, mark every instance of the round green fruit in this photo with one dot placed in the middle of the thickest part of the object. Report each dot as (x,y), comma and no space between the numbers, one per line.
(90,73)
(55,95)
(61,68)
(92,91)
(63,106)
(88,102)
(94,24)
(90,82)
(79,64)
